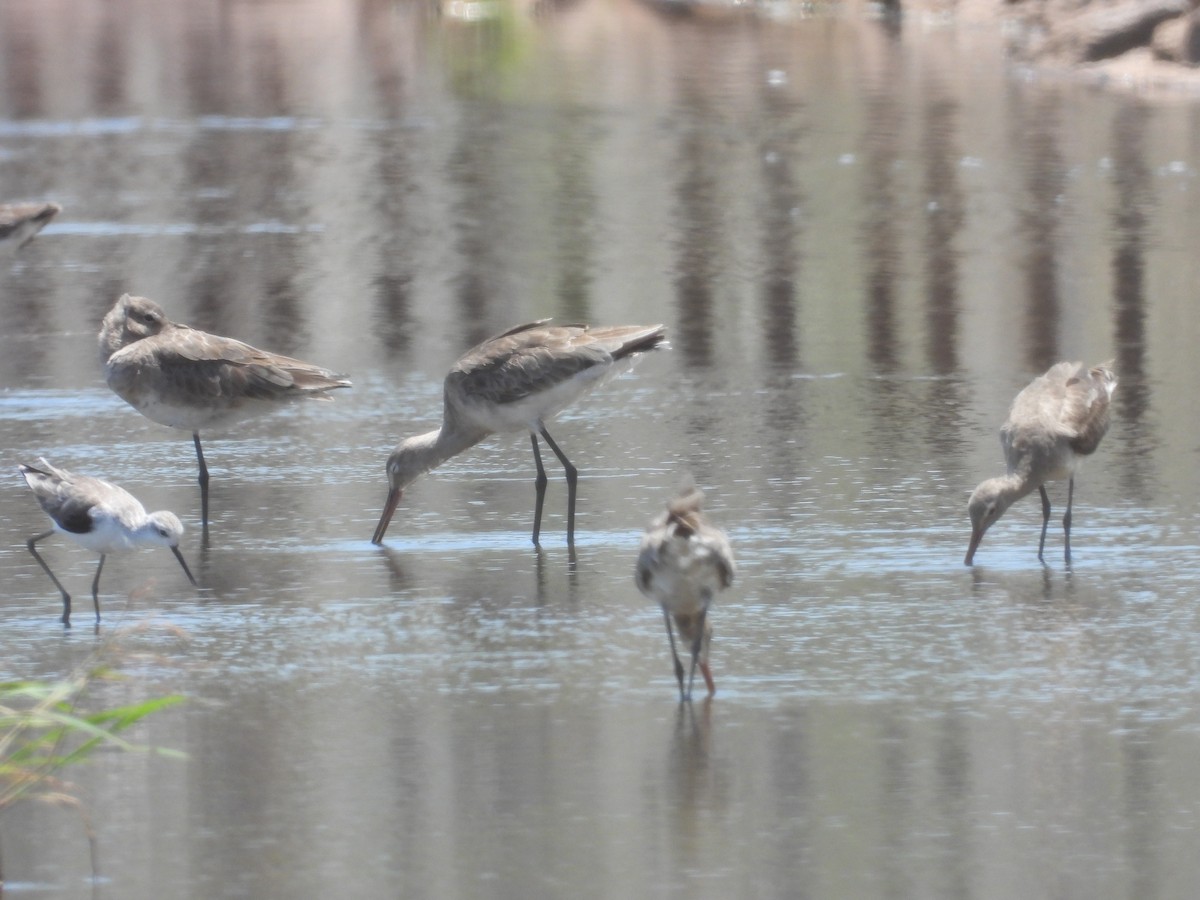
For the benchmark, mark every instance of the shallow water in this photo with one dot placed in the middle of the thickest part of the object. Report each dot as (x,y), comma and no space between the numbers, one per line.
(863,242)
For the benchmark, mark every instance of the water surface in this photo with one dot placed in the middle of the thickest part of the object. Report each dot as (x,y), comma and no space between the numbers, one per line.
(863,240)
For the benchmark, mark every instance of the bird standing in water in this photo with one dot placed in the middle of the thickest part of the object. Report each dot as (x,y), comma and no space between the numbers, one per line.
(100,516)
(1058,419)
(178,376)
(517,381)
(683,563)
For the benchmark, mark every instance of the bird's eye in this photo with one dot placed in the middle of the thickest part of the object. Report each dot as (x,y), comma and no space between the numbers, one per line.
(162,532)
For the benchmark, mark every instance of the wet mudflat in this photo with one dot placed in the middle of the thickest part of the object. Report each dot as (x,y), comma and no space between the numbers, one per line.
(863,243)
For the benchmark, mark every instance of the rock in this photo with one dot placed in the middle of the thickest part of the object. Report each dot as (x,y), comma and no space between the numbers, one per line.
(1103,30)
(1178,40)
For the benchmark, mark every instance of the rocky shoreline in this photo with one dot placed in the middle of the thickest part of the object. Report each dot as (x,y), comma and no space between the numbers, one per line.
(1142,41)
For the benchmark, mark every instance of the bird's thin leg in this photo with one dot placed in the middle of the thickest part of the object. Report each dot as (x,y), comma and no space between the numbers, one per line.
(674,655)
(66,616)
(540,486)
(572,479)
(96,587)
(1045,521)
(1067,519)
(696,642)
(203,480)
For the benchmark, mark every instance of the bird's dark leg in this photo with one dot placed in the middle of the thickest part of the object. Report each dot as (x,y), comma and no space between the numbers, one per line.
(203,480)
(1067,520)
(572,479)
(675,656)
(66,616)
(540,486)
(96,587)
(696,643)
(1045,521)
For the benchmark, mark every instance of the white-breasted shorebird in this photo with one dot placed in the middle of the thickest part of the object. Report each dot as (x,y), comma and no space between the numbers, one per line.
(683,563)
(1056,420)
(185,378)
(19,222)
(517,381)
(100,516)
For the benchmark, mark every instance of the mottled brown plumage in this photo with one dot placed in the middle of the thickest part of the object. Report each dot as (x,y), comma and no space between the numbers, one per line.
(684,561)
(1056,420)
(178,376)
(518,381)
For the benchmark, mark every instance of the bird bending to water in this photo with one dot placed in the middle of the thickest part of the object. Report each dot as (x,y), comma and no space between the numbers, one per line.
(178,376)
(517,381)
(684,561)
(100,516)
(1054,422)
(21,221)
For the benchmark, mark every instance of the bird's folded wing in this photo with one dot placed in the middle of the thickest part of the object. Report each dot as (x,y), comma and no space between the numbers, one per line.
(523,370)
(200,366)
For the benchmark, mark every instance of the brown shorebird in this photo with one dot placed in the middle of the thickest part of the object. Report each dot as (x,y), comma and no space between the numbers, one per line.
(684,562)
(1054,422)
(178,376)
(21,221)
(517,381)
(100,516)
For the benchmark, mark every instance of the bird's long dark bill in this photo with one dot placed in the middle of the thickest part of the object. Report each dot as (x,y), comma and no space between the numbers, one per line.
(393,500)
(976,537)
(186,570)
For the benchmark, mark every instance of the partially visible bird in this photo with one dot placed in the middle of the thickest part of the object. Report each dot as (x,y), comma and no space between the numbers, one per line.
(1058,419)
(100,516)
(179,376)
(21,221)
(518,381)
(683,563)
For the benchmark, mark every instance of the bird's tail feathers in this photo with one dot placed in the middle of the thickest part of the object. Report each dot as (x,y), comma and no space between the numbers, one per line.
(653,337)
(46,469)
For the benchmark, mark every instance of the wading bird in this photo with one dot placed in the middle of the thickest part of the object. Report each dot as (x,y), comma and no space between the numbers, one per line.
(19,222)
(1058,419)
(100,516)
(517,381)
(178,376)
(683,563)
